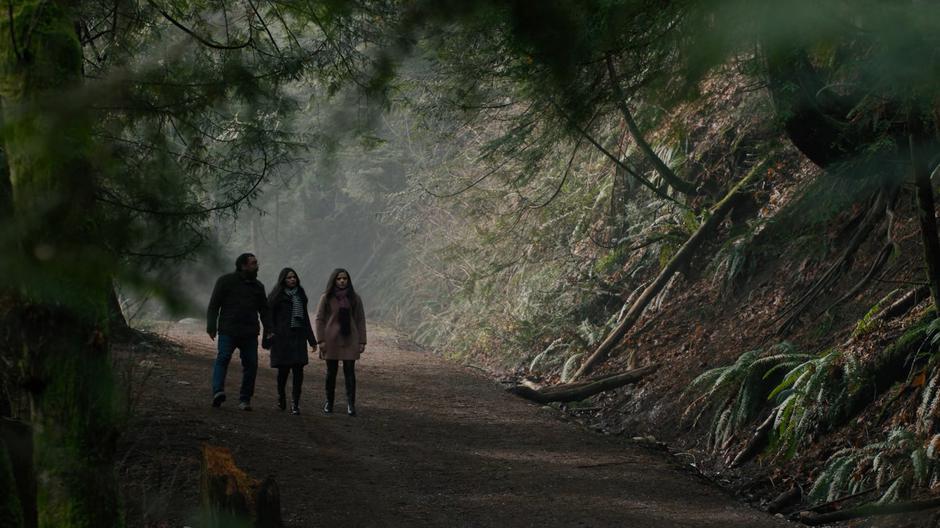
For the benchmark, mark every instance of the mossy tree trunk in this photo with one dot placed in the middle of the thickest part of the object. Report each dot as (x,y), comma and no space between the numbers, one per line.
(62,270)
(926,214)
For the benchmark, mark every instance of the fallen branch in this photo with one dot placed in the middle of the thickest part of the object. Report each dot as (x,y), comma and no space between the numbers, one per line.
(757,442)
(905,303)
(826,505)
(684,255)
(569,392)
(784,500)
(868,510)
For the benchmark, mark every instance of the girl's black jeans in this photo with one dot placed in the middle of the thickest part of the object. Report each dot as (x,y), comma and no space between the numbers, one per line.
(349,376)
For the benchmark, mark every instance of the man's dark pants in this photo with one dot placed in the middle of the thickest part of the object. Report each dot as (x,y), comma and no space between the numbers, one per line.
(248,353)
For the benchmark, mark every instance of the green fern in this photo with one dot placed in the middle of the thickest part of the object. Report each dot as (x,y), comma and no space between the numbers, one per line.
(733,260)
(547,357)
(737,392)
(570,365)
(894,467)
(864,324)
(811,394)
(906,459)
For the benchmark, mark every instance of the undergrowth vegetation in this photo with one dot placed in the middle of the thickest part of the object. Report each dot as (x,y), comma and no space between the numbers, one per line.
(810,395)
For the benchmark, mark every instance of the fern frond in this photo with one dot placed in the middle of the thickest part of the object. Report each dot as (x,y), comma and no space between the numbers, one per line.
(568,368)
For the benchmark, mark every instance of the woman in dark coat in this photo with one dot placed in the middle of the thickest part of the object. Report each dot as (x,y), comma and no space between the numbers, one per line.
(292,333)
(341,335)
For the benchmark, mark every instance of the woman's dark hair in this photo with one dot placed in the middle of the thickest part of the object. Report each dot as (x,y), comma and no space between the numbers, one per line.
(279,287)
(329,286)
(345,317)
(242,260)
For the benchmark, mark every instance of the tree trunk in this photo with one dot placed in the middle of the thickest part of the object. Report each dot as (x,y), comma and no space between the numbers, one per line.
(578,391)
(927,217)
(16,442)
(662,169)
(683,256)
(61,292)
(6,191)
(116,320)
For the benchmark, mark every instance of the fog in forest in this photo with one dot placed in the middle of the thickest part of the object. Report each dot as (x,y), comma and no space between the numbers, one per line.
(708,227)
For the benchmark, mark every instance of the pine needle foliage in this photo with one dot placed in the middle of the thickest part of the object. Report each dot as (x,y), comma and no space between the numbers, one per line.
(736,393)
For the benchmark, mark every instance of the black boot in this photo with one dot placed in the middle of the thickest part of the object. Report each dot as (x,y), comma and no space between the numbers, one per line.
(281,383)
(295,407)
(331,368)
(351,395)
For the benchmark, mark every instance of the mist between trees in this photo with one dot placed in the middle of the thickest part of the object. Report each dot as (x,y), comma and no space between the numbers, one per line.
(514,183)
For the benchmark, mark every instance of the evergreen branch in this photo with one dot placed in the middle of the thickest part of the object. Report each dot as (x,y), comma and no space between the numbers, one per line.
(265,26)
(664,171)
(192,212)
(202,40)
(646,183)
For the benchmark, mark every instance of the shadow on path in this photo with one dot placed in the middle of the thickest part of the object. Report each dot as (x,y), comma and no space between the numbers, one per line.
(435,444)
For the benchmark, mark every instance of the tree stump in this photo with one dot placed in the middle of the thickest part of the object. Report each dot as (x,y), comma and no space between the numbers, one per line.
(16,474)
(232,497)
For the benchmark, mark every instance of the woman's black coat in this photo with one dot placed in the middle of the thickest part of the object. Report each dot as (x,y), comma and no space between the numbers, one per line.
(289,346)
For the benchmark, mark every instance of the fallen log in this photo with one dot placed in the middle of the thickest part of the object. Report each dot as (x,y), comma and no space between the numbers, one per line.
(683,255)
(569,392)
(229,495)
(868,510)
(784,500)
(904,304)
(835,502)
(757,442)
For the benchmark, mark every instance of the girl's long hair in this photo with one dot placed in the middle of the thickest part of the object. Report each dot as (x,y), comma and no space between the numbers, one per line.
(279,287)
(329,286)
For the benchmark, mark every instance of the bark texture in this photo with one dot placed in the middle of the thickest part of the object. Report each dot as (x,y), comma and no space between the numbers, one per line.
(61,271)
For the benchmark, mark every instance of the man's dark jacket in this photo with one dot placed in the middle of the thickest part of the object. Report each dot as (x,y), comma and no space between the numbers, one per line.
(236,303)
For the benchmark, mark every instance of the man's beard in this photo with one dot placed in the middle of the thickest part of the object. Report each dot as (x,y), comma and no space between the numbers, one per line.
(250,274)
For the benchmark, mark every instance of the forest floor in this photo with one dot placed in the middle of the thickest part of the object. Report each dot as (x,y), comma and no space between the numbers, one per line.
(435,444)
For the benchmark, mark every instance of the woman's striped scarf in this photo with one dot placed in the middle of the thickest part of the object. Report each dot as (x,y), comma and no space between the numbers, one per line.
(297,307)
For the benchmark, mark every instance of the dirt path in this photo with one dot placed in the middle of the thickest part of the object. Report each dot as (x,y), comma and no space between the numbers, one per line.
(435,444)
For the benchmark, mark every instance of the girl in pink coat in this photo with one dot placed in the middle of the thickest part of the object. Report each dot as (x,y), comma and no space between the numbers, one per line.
(341,335)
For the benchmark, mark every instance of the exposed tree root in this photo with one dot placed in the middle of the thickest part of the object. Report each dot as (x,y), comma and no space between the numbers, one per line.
(792,313)
(890,366)
(868,510)
(875,268)
(578,391)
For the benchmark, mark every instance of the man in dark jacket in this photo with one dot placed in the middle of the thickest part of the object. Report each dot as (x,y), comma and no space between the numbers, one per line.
(237,300)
